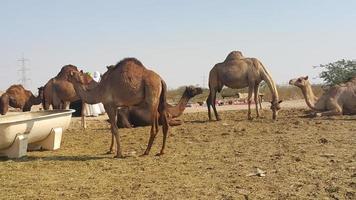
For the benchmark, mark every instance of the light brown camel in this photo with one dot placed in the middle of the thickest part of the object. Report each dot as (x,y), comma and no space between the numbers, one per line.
(240,72)
(129,83)
(59,92)
(135,116)
(17,96)
(337,100)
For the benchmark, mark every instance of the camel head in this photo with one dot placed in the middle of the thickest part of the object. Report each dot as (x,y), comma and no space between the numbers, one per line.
(77,77)
(192,91)
(300,82)
(275,107)
(41,92)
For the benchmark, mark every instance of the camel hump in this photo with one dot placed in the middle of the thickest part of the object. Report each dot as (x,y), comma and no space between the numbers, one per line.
(234,55)
(129,62)
(65,71)
(17,88)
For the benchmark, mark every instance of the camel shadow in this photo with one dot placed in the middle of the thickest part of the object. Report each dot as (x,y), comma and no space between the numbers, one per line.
(197,121)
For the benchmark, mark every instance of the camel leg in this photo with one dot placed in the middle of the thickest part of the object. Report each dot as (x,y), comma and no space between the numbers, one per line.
(334,112)
(122,118)
(256,100)
(260,101)
(84,124)
(153,132)
(208,104)
(112,112)
(165,128)
(212,98)
(249,100)
(175,122)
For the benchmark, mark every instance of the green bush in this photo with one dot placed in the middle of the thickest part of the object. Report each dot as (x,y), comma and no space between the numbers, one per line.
(338,72)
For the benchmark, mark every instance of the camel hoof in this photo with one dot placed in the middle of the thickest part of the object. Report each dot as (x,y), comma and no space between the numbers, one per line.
(218,119)
(119,156)
(159,154)
(109,152)
(250,118)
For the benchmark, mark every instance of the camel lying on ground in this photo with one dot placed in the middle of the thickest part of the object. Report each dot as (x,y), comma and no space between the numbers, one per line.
(129,83)
(59,92)
(135,116)
(337,100)
(17,96)
(240,72)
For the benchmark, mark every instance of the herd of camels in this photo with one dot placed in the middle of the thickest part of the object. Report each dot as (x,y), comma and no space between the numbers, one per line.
(133,95)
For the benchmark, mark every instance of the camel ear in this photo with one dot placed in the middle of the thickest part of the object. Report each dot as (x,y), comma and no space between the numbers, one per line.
(306,78)
(107,67)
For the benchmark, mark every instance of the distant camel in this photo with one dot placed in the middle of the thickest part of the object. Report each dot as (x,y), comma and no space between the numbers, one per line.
(59,92)
(129,83)
(135,116)
(337,100)
(17,96)
(240,72)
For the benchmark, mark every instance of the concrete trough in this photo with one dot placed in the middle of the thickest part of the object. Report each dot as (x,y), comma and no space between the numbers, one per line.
(32,130)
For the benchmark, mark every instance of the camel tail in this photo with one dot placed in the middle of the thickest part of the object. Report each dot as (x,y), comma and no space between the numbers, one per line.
(162,106)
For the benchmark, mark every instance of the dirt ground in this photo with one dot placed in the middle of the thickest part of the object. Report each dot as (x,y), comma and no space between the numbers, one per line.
(302,158)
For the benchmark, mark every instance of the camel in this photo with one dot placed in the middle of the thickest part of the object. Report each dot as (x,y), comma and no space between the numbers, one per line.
(129,83)
(17,96)
(337,100)
(237,72)
(59,92)
(135,116)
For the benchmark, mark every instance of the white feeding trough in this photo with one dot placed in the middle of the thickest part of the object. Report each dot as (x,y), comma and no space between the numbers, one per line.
(40,129)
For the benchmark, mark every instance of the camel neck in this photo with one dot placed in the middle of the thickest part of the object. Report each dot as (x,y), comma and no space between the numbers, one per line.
(36,100)
(272,86)
(182,104)
(91,96)
(309,96)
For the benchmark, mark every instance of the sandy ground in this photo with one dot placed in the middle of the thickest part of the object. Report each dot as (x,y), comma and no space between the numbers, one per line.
(302,158)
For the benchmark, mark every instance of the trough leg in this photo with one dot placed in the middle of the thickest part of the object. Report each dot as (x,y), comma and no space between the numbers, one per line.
(18,149)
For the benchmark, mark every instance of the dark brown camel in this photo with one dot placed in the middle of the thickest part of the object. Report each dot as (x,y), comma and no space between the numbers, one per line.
(17,96)
(135,116)
(129,83)
(59,92)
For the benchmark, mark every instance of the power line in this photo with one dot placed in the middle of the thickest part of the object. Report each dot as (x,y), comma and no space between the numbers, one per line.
(23,71)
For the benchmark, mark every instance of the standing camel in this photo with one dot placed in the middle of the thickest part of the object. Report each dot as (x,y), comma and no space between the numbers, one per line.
(129,83)
(337,100)
(17,96)
(240,72)
(135,116)
(59,92)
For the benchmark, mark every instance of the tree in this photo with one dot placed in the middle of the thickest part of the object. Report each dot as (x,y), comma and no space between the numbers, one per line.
(338,72)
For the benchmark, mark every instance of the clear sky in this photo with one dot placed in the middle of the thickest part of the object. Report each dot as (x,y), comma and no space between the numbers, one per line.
(181,40)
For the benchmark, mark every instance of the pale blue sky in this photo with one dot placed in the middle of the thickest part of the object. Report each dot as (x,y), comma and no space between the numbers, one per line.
(181,40)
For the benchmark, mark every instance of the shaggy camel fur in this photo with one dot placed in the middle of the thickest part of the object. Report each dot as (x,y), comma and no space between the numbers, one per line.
(17,96)
(337,100)
(240,72)
(129,83)
(135,116)
(59,92)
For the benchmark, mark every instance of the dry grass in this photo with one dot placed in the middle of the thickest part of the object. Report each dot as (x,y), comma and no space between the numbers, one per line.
(303,158)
